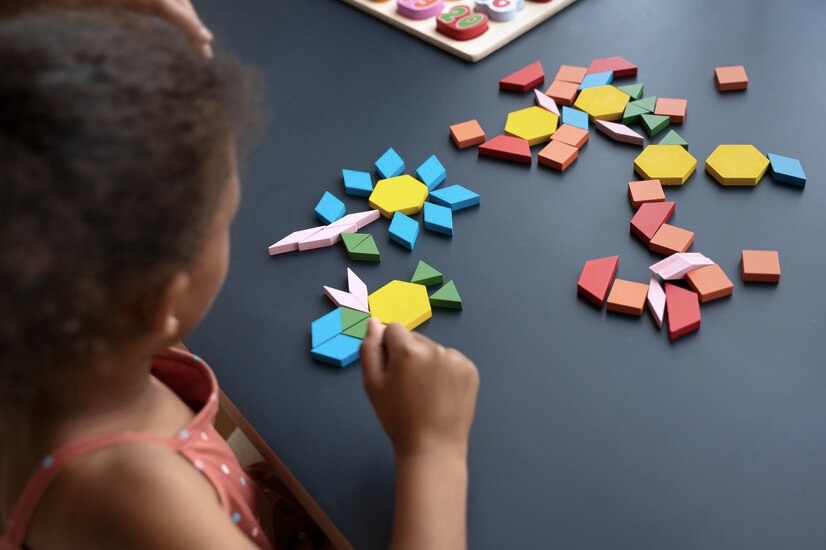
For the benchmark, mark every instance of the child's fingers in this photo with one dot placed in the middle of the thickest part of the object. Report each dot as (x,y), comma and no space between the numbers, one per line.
(182,14)
(373,354)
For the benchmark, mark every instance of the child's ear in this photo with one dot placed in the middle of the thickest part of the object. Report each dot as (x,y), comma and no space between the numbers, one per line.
(166,320)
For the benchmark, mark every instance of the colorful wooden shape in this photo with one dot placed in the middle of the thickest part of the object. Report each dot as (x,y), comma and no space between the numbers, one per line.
(656,301)
(627,297)
(431,172)
(673,108)
(683,309)
(602,103)
(678,265)
(618,66)
(361,247)
(390,164)
(509,148)
(571,73)
(640,192)
(571,135)
(760,266)
(404,230)
(533,124)
(647,104)
(632,113)
(671,164)
(338,351)
(558,155)
(634,91)
(359,330)
(670,239)
(353,240)
(649,217)
(786,170)
(446,297)
(358,219)
(328,236)
(596,277)
(290,242)
(438,218)
(398,194)
(737,165)
(401,302)
(356,183)
(325,327)
(455,197)
(357,288)
(710,282)
(526,78)
(545,102)
(426,275)
(344,299)
(593,80)
(461,23)
(564,93)
(731,78)
(575,117)
(419,9)
(620,132)
(467,134)
(329,208)
(654,124)
(351,317)
(501,10)
(673,138)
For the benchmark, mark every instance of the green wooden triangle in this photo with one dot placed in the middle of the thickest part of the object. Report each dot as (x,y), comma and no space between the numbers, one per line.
(647,103)
(632,113)
(633,90)
(673,138)
(426,275)
(654,124)
(359,330)
(352,240)
(366,251)
(351,317)
(446,297)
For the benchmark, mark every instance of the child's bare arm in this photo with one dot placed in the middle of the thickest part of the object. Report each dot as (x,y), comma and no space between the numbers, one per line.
(424,395)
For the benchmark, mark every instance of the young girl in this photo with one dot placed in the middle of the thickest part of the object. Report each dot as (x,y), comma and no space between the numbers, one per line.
(118,184)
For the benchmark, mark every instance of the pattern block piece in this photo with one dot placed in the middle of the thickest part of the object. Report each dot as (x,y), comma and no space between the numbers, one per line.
(438,218)
(357,288)
(431,172)
(571,73)
(644,191)
(344,299)
(671,164)
(328,236)
(390,164)
(647,104)
(632,113)
(455,197)
(787,170)
(627,297)
(602,103)
(683,309)
(673,108)
(620,132)
(329,208)
(710,282)
(361,249)
(401,302)
(634,91)
(571,135)
(290,242)
(656,301)
(403,194)
(760,266)
(525,78)
(558,155)
(356,183)
(673,138)
(325,327)
(678,265)
(533,124)
(654,124)
(359,330)
(339,351)
(575,117)
(737,165)
(731,78)
(426,275)
(564,93)
(649,217)
(446,297)
(596,277)
(358,219)
(350,317)
(509,148)
(593,80)
(467,134)
(619,67)
(670,239)
(404,230)
(545,102)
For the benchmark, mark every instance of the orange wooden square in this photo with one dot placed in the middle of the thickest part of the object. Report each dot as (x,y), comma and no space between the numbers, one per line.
(467,134)
(670,239)
(571,135)
(674,108)
(563,92)
(558,155)
(644,191)
(570,73)
(627,297)
(710,282)
(731,78)
(761,266)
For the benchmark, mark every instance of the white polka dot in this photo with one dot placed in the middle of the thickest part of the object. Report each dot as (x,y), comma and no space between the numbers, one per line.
(243,481)
(204,436)
(198,464)
(255,532)
(183,434)
(225,469)
(213,397)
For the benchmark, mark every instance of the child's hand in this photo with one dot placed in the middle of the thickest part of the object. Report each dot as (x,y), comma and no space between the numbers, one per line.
(424,394)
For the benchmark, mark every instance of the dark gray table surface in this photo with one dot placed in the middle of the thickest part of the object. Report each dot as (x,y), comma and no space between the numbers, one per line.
(592,429)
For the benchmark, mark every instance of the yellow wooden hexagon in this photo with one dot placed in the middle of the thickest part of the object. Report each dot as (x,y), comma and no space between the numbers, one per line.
(671,164)
(602,103)
(737,165)
(534,124)
(403,194)
(401,302)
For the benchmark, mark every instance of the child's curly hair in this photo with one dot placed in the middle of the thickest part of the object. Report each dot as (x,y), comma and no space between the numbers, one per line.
(114,148)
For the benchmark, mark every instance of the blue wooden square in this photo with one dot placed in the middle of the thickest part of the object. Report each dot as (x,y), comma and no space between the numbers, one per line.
(404,230)
(575,117)
(438,218)
(329,208)
(596,79)
(787,170)
(341,350)
(357,184)
(454,197)
(431,172)
(390,164)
